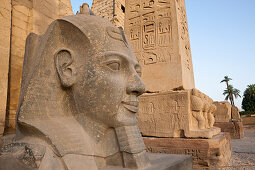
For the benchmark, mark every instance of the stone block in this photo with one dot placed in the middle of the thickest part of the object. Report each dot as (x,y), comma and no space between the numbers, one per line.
(234,128)
(248,120)
(186,113)
(223,112)
(205,152)
(164,162)
(235,113)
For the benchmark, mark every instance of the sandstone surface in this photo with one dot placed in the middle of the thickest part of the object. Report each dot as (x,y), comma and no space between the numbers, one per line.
(113,10)
(206,152)
(186,113)
(235,128)
(5,32)
(235,113)
(27,16)
(223,112)
(158,32)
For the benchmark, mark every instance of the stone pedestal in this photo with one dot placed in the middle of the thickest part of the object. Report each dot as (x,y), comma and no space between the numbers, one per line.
(165,162)
(234,128)
(227,118)
(205,152)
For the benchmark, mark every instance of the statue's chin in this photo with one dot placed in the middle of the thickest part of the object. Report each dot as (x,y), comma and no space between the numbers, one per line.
(125,117)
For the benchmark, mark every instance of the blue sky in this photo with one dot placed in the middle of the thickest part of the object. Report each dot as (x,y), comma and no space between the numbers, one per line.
(222,36)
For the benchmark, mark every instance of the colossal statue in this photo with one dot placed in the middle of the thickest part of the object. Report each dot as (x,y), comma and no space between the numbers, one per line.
(79,96)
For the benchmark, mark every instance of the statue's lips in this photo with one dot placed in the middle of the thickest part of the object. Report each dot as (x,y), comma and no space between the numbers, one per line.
(131,106)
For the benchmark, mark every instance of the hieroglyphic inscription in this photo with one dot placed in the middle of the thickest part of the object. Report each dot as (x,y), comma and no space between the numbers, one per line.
(149,29)
(184,33)
(158,32)
(149,35)
(135,35)
(148,4)
(162,114)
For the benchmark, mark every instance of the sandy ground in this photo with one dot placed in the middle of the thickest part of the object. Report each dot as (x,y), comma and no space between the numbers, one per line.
(243,151)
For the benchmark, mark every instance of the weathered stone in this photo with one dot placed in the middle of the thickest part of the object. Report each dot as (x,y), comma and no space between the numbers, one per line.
(158,32)
(228,119)
(235,113)
(79,97)
(223,112)
(205,152)
(113,10)
(27,16)
(234,128)
(5,32)
(186,113)
(165,162)
(248,120)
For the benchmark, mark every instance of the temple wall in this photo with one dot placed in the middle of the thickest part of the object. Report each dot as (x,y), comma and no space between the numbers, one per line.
(112,10)
(5,31)
(27,16)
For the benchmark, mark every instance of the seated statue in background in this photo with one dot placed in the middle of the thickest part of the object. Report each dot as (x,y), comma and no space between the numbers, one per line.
(79,96)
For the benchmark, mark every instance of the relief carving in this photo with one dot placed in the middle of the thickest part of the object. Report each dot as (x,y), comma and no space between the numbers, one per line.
(135,37)
(148,4)
(202,109)
(149,35)
(164,32)
(164,2)
(150,58)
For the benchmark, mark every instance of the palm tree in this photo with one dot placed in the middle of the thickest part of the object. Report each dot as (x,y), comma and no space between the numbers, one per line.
(226,79)
(230,92)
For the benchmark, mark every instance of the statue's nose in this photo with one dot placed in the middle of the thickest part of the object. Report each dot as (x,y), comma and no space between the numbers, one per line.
(135,85)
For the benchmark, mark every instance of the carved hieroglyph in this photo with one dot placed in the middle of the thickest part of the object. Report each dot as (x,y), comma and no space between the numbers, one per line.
(158,32)
(186,113)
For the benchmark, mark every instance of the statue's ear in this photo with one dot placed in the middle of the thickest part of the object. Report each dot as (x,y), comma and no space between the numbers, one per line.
(64,63)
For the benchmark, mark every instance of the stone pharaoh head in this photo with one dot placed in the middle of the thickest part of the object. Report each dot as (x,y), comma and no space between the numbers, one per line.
(80,88)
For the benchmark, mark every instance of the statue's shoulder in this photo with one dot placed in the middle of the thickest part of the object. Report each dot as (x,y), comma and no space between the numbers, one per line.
(21,156)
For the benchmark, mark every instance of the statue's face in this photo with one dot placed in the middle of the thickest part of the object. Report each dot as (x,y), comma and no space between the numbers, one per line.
(108,87)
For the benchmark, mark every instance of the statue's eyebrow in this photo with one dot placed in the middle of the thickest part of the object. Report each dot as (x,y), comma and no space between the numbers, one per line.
(115,53)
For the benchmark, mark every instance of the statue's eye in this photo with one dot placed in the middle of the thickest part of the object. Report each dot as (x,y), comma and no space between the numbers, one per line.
(114,65)
(138,69)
